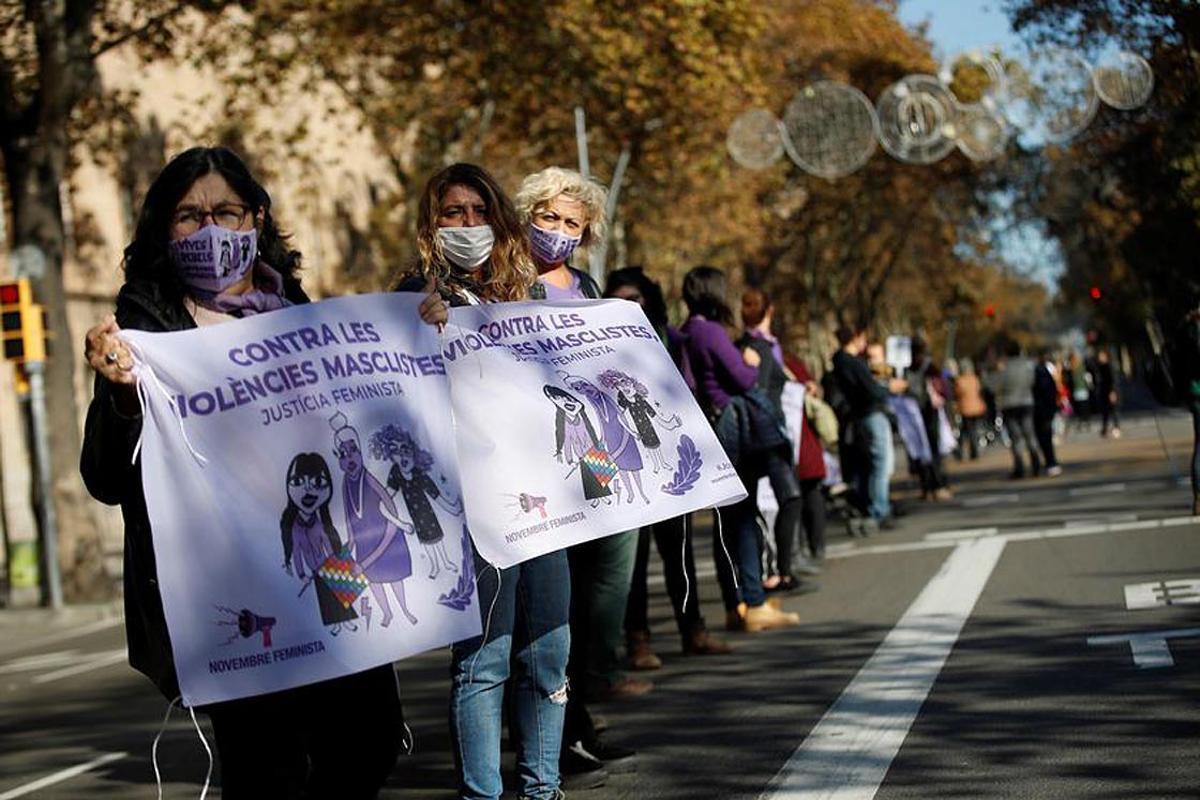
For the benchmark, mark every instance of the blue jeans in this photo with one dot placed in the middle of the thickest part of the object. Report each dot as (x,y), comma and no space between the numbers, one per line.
(529,630)
(877,444)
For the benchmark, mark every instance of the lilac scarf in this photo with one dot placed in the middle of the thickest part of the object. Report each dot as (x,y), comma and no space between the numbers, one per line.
(267,295)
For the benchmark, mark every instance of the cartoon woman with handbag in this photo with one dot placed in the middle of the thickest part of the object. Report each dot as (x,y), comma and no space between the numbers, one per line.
(575,440)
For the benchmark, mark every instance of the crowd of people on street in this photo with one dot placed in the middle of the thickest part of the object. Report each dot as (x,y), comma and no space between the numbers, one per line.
(569,629)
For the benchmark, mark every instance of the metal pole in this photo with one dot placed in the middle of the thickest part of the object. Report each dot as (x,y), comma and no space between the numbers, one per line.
(581,141)
(41,457)
(599,255)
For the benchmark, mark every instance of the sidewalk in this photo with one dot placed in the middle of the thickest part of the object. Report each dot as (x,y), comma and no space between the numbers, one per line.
(23,628)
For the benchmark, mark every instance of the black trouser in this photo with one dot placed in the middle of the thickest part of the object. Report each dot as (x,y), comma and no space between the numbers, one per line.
(337,738)
(812,513)
(970,437)
(1017,421)
(1043,428)
(932,475)
(673,540)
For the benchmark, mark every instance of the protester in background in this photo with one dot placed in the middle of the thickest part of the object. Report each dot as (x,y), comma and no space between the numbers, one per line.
(1078,382)
(927,386)
(971,408)
(1185,363)
(287,744)
(1013,384)
(672,537)
(1106,395)
(563,210)
(810,466)
(866,427)
(773,376)
(724,383)
(1045,408)
(475,250)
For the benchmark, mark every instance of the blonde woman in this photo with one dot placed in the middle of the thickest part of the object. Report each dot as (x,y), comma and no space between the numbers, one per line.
(562,210)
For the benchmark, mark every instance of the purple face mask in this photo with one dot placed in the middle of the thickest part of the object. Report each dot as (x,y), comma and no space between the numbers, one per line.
(551,247)
(214,258)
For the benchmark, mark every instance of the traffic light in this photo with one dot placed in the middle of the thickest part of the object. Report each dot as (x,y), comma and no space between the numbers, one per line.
(989,311)
(23,323)
(1095,293)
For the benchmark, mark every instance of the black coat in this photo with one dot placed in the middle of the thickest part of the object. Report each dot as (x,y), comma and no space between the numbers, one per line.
(112,477)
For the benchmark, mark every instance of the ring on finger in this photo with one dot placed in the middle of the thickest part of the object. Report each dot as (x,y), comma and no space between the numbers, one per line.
(111,357)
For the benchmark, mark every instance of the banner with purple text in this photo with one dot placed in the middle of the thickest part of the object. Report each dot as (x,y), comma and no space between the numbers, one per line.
(301,480)
(572,423)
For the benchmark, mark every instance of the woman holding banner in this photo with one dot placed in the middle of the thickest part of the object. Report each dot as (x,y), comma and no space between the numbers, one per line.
(474,250)
(207,250)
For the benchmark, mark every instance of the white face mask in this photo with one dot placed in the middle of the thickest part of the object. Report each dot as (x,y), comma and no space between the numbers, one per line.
(467,248)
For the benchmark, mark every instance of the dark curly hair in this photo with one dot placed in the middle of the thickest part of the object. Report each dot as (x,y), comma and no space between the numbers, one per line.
(147,258)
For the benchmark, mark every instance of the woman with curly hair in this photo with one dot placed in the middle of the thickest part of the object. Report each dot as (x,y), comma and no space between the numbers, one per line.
(410,477)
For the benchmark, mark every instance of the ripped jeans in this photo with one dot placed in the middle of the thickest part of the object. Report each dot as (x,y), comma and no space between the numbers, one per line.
(528,641)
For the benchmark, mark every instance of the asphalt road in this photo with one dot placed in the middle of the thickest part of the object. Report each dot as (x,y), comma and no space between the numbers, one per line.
(1038,638)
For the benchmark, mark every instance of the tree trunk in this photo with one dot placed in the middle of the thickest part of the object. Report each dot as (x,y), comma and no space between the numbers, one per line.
(35,168)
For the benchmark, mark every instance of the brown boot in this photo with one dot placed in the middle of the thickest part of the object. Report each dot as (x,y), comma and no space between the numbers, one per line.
(641,656)
(703,643)
(735,618)
(767,617)
(621,690)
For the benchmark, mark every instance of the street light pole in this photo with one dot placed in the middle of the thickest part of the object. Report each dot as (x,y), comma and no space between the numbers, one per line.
(41,456)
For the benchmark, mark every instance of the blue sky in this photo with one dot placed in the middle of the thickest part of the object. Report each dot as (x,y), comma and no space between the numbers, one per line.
(960,24)
(957,25)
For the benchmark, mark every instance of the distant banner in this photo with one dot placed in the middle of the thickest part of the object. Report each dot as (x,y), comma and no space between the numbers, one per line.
(300,476)
(572,423)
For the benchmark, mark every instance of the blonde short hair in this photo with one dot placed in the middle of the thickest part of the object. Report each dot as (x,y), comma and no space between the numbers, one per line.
(538,189)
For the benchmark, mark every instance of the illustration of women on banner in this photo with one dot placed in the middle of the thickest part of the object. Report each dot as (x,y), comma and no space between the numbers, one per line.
(634,400)
(374,531)
(409,476)
(620,440)
(310,538)
(575,440)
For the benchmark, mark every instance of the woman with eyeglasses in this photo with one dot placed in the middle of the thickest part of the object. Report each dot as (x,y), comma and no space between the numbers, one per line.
(207,250)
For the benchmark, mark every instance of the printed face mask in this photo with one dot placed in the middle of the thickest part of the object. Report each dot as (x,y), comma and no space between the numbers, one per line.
(214,258)
(467,248)
(551,247)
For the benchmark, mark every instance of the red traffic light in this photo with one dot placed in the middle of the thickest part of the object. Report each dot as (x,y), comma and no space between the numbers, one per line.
(1095,292)
(10,294)
(989,310)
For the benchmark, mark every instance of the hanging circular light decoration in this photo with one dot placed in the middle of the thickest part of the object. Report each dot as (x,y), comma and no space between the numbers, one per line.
(830,129)
(916,119)
(981,134)
(974,77)
(1124,80)
(1051,96)
(754,139)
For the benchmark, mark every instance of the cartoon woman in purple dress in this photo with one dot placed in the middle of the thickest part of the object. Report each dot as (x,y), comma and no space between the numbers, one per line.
(410,476)
(634,400)
(621,443)
(574,438)
(309,537)
(373,529)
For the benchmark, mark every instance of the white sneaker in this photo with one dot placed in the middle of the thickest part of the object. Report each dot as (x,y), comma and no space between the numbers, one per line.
(1054,472)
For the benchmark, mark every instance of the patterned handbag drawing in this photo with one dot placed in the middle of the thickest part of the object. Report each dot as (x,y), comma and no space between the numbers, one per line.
(601,465)
(341,574)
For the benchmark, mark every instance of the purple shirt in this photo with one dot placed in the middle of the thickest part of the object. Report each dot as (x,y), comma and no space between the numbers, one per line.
(717,365)
(572,292)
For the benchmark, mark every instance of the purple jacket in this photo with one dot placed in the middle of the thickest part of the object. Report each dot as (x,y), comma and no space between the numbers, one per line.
(717,365)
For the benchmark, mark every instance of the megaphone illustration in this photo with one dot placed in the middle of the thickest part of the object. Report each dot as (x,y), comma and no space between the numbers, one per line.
(530,502)
(250,623)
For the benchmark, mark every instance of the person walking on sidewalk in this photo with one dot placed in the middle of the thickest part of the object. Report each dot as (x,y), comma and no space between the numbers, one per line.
(1045,408)
(1013,384)
(968,394)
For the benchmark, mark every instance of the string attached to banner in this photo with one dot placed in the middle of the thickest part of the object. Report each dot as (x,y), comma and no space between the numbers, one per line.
(721,538)
(146,378)
(154,749)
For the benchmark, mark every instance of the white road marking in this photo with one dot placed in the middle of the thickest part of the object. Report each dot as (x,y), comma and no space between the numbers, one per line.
(1149,649)
(991,500)
(965,533)
(850,750)
(1104,488)
(97,661)
(1139,596)
(60,776)
(58,658)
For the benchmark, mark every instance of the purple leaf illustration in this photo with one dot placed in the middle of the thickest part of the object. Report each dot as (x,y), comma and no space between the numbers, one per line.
(688,471)
(459,598)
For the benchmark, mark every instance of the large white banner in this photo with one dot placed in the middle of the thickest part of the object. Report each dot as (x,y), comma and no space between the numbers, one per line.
(572,423)
(300,477)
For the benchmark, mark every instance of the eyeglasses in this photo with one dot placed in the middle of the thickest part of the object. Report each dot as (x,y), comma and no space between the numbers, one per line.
(188,219)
